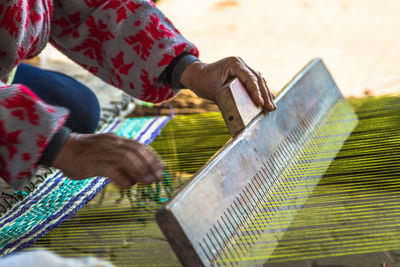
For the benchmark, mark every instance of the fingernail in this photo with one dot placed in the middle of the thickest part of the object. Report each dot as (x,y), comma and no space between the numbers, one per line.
(269,106)
(260,101)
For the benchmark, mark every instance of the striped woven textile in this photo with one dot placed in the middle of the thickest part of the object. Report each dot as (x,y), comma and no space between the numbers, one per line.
(58,197)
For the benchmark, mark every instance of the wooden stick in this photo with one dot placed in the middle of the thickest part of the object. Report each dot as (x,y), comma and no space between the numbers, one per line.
(236,106)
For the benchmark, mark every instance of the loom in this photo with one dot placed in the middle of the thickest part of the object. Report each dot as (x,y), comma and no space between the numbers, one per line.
(228,211)
(353,210)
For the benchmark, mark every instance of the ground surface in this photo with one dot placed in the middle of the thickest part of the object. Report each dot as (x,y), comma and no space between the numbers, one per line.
(358,39)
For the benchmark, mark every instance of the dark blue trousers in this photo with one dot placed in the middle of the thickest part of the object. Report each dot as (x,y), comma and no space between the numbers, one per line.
(61,90)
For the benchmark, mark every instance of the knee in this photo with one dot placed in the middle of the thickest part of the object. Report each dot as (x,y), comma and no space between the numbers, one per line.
(85,119)
(61,90)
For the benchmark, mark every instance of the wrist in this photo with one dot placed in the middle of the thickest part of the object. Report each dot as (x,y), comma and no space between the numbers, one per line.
(64,153)
(190,74)
(54,146)
(177,66)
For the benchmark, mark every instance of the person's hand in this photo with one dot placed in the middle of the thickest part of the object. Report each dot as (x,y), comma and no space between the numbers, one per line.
(126,162)
(206,79)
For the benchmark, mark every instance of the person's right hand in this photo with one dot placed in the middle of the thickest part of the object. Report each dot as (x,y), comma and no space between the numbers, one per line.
(126,162)
(206,79)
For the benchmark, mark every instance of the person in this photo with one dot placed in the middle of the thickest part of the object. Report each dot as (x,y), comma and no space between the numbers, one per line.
(127,43)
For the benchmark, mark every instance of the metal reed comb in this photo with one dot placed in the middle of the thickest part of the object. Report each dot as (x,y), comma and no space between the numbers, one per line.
(228,212)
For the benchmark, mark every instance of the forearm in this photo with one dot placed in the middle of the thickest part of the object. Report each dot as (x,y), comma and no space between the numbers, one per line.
(128,44)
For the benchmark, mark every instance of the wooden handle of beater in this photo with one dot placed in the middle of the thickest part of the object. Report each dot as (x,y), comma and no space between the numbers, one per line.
(236,106)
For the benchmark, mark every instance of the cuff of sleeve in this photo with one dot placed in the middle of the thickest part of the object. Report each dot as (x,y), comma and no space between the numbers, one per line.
(54,146)
(177,67)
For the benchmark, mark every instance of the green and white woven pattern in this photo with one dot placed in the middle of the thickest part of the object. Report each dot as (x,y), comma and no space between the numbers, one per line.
(58,197)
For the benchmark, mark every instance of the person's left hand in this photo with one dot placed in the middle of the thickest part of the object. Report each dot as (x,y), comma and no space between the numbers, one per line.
(126,162)
(206,79)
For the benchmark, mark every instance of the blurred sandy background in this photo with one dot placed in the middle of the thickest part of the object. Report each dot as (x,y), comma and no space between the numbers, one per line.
(359,40)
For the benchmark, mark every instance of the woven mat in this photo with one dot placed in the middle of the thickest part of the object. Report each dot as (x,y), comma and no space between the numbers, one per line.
(58,197)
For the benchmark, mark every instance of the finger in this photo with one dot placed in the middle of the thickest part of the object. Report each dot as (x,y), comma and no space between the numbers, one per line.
(120,178)
(268,103)
(270,93)
(127,161)
(249,79)
(136,168)
(129,164)
(136,162)
(153,162)
(149,164)
(158,164)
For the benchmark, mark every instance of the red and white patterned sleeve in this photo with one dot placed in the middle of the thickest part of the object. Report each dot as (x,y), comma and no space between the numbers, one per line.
(26,123)
(127,43)
(26,127)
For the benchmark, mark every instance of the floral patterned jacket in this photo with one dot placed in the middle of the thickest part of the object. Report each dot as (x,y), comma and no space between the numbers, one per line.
(127,43)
